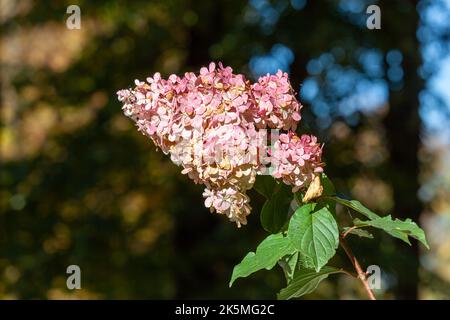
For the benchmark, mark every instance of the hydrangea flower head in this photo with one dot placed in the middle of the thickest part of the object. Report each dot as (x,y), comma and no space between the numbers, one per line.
(209,124)
(276,105)
(296,160)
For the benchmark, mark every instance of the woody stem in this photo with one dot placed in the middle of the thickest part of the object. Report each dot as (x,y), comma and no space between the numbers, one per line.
(357,266)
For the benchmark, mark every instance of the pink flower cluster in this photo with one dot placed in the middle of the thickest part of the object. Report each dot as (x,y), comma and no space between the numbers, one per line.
(296,160)
(211,123)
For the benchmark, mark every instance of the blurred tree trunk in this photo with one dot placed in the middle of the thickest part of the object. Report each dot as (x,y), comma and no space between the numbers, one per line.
(402,126)
(192,222)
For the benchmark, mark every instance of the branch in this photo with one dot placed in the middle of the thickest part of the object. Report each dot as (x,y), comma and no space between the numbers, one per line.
(359,270)
(348,231)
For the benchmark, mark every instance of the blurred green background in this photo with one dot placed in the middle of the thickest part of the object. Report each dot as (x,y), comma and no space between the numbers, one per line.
(80,185)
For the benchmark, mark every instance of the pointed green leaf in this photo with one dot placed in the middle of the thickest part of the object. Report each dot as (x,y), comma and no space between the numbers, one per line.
(305,281)
(269,251)
(275,211)
(314,233)
(305,261)
(289,265)
(397,228)
(355,205)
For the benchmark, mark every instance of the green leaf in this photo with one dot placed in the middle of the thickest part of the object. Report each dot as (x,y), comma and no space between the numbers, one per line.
(275,211)
(359,232)
(305,262)
(328,190)
(355,205)
(328,187)
(265,185)
(396,228)
(289,265)
(314,234)
(305,281)
(269,251)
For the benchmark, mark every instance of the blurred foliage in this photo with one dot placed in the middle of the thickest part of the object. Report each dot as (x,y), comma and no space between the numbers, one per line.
(79,185)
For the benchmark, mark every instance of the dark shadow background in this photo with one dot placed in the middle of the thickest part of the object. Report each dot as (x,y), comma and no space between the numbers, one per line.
(79,185)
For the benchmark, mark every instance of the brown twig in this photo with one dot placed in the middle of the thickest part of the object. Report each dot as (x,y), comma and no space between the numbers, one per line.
(359,270)
(348,231)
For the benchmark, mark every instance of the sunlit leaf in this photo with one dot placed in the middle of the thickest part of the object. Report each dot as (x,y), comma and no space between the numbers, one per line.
(269,251)
(305,281)
(355,205)
(289,264)
(314,233)
(396,228)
